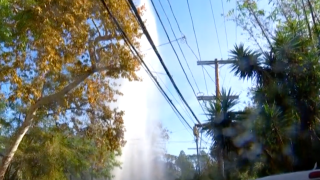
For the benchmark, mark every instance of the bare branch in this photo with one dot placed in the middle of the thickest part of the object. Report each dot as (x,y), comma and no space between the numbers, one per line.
(95,25)
(103,69)
(306,19)
(260,25)
(103,38)
(92,55)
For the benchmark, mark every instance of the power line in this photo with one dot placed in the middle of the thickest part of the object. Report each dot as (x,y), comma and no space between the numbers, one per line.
(195,35)
(225,27)
(176,39)
(205,80)
(172,45)
(184,108)
(194,31)
(147,34)
(127,40)
(208,74)
(215,25)
(145,31)
(185,59)
(174,16)
(178,43)
(199,60)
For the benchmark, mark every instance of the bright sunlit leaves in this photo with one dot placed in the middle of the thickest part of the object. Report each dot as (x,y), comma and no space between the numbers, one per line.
(58,57)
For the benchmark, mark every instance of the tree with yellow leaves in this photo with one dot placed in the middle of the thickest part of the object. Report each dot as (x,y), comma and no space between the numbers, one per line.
(63,57)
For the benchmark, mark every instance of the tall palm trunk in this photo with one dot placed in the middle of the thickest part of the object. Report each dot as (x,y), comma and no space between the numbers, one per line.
(220,162)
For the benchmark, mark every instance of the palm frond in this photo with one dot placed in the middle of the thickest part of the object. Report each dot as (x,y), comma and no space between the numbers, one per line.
(246,63)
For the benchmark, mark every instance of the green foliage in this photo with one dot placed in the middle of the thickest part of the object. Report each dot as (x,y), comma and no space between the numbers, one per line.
(183,167)
(186,166)
(280,132)
(58,152)
(59,61)
(5,13)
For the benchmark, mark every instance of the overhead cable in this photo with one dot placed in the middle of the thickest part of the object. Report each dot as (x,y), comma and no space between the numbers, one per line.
(177,39)
(195,35)
(127,40)
(215,25)
(145,31)
(225,27)
(172,45)
(174,34)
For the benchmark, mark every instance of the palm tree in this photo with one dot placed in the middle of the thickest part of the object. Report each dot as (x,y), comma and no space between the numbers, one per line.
(286,76)
(220,126)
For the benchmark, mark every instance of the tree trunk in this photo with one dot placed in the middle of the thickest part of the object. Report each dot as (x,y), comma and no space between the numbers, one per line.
(221,162)
(29,118)
(304,146)
(21,132)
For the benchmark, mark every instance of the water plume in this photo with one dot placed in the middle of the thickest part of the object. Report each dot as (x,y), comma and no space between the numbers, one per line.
(140,105)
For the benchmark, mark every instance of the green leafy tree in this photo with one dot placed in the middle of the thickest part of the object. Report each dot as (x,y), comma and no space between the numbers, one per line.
(221,127)
(186,166)
(61,59)
(286,91)
(171,169)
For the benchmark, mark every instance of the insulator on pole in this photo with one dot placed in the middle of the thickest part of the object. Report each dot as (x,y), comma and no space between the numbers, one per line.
(195,132)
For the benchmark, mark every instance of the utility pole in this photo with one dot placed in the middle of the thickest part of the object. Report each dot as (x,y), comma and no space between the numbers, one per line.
(196,135)
(198,157)
(216,64)
(216,70)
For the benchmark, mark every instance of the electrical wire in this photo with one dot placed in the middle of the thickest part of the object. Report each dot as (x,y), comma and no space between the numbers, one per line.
(177,39)
(184,108)
(174,34)
(199,60)
(139,19)
(181,49)
(134,51)
(173,46)
(145,31)
(215,25)
(195,35)
(174,16)
(194,31)
(209,75)
(224,22)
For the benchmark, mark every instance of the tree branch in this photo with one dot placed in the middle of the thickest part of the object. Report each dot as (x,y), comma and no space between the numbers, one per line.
(29,119)
(95,25)
(306,19)
(92,54)
(103,38)
(260,25)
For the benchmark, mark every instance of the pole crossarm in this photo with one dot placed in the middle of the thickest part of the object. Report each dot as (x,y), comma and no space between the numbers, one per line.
(212,62)
(198,148)
(211,98)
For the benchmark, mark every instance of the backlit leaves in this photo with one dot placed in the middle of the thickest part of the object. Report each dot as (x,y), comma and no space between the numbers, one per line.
(48,45)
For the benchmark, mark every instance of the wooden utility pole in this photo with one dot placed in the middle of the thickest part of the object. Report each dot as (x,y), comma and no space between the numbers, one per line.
(216,64)
(216,70)
(196,135)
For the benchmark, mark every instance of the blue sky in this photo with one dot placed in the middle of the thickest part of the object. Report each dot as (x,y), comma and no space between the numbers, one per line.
(181,137)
